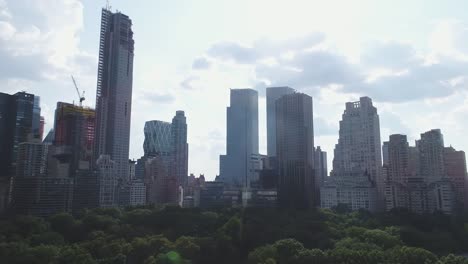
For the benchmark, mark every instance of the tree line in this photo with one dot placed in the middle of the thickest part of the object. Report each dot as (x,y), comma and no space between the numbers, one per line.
(160,235)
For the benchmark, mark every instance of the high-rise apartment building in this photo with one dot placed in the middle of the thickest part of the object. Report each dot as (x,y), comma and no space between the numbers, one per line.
(295,151)
(419,177)
(86,190)
(241,137)
(7,131)
(161,186)
(431,155)
(137,192)
(398,159)
(168,143)
(32,159)
(180,147)
(114,90)
(359,146)
(107,181)
(455,167)
(33,191)
(157,139)
(385,153)
(321,168)
(74,136)
(36,119)
(357,163)
(273,94)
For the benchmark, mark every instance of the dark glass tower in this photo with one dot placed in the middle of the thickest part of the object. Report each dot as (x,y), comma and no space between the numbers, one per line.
(114,90)
(273,94)
(295,151)
(16,126)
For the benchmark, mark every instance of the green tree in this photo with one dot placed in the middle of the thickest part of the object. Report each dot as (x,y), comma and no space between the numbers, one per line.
(262,254)
(410,255)
(287,249)
(381,238)
(74,255)
(187,247)
(452,259)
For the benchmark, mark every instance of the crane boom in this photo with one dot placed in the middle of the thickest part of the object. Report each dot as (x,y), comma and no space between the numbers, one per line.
(81,97)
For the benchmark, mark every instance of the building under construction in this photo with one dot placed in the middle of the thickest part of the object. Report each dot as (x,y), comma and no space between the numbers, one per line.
(74,138)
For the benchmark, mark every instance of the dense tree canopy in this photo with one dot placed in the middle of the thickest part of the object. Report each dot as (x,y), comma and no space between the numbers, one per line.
(253,235)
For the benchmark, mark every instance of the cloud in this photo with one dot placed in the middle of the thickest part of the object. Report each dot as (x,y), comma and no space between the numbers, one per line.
(233,52)
(188,82)
(37,42)
(323,128)
(388,71)
(4,12)
(389,54)
(201,63)
(310,69)
(262,48)
(152,97)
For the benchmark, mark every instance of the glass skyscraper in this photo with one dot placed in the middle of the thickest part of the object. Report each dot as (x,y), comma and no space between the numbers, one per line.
(295,151)
(241,139)
(273,94)
(114,90)
(157,138)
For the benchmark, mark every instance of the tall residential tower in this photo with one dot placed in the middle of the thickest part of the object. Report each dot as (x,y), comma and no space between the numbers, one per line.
(356,179)
(114,90)
(180,147)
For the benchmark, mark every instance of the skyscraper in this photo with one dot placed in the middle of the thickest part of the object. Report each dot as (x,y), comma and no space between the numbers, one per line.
(114,90)
(431,155)
(107,181)
(74,134)
(295,151)
(180,147)
(273,94)
(16,126)
(455,166)
(36,125)
(23,113)
(358,147)
(321,167)
(161,186)
(242,137)
(165,164)
(425,178)
(398,157)
(356,179)
(7,129)
(157,138)
(33,191)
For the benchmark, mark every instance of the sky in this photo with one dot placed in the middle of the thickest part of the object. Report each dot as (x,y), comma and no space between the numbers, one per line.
(410,57)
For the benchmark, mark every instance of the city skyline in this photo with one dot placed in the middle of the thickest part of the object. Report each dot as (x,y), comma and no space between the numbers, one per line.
(209,61)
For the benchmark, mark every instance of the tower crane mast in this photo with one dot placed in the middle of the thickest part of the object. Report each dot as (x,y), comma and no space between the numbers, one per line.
(80,96)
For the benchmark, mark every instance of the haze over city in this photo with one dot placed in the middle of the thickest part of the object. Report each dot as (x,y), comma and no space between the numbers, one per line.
(409,57)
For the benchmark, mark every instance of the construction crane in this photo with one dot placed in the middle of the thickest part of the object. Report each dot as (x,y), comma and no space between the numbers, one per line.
(81,96)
